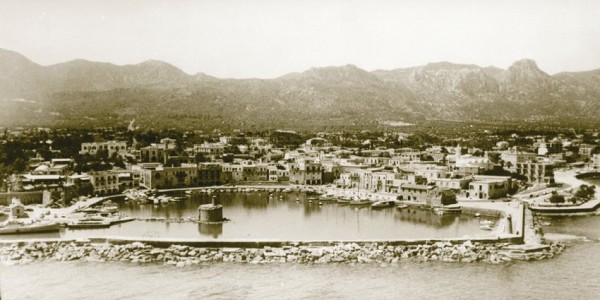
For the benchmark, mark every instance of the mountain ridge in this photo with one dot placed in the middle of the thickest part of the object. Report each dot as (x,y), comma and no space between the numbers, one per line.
(156,92)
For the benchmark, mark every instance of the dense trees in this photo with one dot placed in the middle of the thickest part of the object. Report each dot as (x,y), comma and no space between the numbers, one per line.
(556,198)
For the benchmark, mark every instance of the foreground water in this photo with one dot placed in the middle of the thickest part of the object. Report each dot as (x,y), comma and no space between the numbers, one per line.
(572,275)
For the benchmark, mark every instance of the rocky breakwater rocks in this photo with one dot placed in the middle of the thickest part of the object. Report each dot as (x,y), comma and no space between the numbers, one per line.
(180,255)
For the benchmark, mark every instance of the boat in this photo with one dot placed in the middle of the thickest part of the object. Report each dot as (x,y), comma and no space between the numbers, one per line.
(343,200)
(90,222)
(109,209)
(27,229)
(135,195)
(89,210)
(120,219)
(486,227)
(382,204)
(486,222)
(452,208)
(327,198)
(402,206)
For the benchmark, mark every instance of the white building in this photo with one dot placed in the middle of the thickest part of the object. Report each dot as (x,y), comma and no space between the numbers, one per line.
(119,147)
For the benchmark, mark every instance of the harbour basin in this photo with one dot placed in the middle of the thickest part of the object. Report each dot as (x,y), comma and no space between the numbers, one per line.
(279,216)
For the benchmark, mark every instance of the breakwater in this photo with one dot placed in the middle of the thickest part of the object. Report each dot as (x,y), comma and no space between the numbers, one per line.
(183,255)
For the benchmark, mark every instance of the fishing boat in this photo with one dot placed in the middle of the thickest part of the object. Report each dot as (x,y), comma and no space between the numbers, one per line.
(90,222)
(327,198)
(360,202)
(17,228)
(135,195)
(486,227)
(402,206)
(382,204)
(452,208)
(343,200)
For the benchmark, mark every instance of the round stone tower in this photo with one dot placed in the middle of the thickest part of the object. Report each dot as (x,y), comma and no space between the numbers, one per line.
(211,213)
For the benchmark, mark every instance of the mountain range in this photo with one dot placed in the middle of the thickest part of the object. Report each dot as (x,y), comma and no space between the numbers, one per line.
(157,94)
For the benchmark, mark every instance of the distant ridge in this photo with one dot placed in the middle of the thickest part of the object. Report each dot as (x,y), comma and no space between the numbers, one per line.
(155,93)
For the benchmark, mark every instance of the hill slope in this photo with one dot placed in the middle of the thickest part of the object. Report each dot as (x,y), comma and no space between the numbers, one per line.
(84,93)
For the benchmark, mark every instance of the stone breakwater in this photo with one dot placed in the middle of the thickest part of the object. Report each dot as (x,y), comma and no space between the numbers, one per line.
(181,255)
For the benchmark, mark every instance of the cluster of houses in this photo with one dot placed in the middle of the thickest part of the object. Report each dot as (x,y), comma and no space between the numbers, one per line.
(411,174)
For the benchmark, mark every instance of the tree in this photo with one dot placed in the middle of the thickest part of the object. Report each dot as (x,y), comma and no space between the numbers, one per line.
(586,192)
(19,165)
(448,197)
(557,198)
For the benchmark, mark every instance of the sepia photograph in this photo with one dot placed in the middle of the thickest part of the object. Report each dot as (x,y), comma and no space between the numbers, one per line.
(299,149)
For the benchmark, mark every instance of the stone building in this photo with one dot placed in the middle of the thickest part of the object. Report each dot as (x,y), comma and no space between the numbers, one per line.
(111,147)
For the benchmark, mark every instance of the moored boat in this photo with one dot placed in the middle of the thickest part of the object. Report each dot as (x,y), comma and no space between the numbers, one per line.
(89,223)
(452,208)
(25,229)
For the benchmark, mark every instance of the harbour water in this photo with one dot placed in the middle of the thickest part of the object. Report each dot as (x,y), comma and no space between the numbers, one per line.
(285,216)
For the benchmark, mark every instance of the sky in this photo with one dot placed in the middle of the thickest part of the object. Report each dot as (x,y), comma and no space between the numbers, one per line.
(267,39)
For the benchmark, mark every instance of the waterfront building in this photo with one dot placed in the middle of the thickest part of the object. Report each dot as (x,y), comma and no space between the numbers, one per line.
(417,193)
(209,174)
(111,147)
(104,182)
(232,173)
(308,173)
(488,187)
(170,177)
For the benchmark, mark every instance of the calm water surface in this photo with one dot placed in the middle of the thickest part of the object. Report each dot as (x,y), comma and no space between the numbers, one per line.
(255,216)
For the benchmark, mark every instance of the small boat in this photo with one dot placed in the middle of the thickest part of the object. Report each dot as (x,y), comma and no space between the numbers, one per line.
(343,200)
(402,206)
(382,204)
(89,210)
(120,219)
(486,222)
(453,208)
(85,224)
(327,198)
(25,229)
(90,222)
(486,227)
(109,209)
